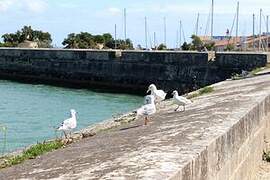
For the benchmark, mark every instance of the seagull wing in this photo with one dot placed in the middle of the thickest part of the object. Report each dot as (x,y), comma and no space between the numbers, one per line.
(67,124)
(146,110)
(160,94)
(180,100)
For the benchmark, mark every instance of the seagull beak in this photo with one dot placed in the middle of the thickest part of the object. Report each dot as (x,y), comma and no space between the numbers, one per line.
(148,91)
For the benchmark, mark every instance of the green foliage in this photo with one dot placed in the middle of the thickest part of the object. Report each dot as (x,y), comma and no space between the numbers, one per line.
(229,47)
(43,39)
(205,90)
(120,44)
(107,37)
(99,39)
(139,47)
(197,44)
(162,47)
(85,40)
(209,46)
(266,156)
(32,153)
(256,70)
(186,46)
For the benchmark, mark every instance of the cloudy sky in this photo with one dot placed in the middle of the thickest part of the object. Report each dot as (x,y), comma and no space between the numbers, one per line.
(61,17)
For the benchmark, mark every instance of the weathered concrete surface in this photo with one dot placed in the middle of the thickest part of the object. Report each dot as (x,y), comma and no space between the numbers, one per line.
(131,71)
(221,136)
(263,171)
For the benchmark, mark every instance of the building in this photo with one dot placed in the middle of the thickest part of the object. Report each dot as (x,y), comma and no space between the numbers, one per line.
(245,43)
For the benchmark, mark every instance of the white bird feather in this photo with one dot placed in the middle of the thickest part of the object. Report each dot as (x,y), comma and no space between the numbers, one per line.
(70,123)
(149,108)
(159,94)
(180,100)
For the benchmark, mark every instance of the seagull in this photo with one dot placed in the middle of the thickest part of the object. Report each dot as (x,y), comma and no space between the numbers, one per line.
(69,124)
(148,108)
(158,94)
(180,100)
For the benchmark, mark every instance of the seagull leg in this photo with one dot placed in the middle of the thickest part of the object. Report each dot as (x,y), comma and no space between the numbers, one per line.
(70,132)
(146,121)
(157,105)
(65,134)
(184,108)
(177,108)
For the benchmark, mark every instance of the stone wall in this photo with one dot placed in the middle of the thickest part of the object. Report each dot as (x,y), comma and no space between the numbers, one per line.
(237,152)
(127,71)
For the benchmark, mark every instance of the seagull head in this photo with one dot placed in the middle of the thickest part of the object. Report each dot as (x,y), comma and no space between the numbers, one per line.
(149,99)
(175,93)
(73,112)
(152,87)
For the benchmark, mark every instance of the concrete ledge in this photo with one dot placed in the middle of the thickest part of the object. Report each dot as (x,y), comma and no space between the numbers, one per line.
(221,136)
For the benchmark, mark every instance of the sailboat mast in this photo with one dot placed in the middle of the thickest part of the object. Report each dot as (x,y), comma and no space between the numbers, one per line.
(197,24)
(125,24)
(165,31)
(253,32)
(145,31)
(150,39)
(260,30)
(180,34)
(237,23)
(155,41)
(177,39)
(267,33)
(115,36)
(212,19)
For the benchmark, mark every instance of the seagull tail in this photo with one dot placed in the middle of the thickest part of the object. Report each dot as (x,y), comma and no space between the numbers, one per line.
(139,112)
(59,128)
(55,128)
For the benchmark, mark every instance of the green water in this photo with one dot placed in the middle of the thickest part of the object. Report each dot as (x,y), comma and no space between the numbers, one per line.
(31,111)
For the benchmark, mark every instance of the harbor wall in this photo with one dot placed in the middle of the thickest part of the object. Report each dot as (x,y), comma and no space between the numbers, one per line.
(123,71)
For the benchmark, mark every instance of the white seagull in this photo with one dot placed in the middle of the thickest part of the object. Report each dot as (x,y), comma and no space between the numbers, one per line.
(147,109)
(180,100)
(158,94)
(69,124)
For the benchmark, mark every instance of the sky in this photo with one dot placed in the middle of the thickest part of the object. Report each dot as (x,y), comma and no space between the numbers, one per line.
(61,17)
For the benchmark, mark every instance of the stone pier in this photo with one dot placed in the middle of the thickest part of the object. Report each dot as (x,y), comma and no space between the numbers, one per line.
(221,136)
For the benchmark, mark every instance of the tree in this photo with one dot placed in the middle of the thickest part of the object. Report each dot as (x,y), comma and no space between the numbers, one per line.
(70,41)
(162,47)
(43,39)
(139,47)
(185,46)
(197,44)
(107,37)
(99,39)
(120,44)
(209,46)
(27,33)
(83,40)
